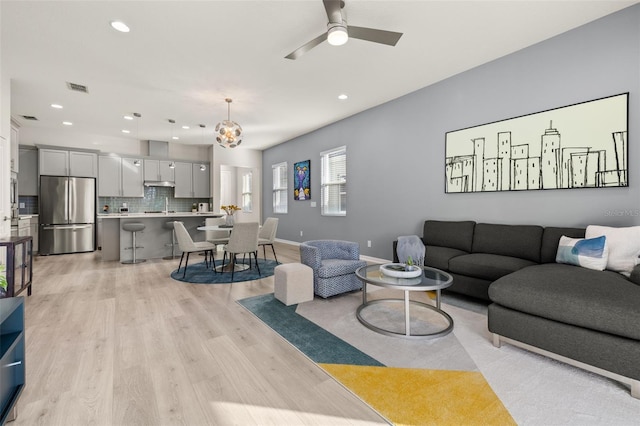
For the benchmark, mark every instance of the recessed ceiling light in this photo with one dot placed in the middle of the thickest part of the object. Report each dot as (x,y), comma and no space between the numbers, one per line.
(120,26)
(125,131)
(343,97)
(56,106)
(185,127)
(67,123)
(128,117)
(175,138)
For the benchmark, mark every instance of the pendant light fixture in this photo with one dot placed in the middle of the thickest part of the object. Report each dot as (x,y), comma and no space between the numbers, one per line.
(228,133)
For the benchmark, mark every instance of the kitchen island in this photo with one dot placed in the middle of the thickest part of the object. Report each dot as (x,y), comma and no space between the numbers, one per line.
(154,241)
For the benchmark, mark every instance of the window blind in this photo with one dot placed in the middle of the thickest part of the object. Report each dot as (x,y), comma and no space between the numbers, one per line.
(334,182)
(280,184)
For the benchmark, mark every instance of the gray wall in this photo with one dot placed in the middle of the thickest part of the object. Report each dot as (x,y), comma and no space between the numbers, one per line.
(395,152)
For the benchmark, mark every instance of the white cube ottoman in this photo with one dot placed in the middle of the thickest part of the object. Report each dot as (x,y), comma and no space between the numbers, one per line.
(293,283)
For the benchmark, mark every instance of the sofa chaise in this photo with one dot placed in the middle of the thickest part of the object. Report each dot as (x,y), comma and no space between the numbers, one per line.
(585,317)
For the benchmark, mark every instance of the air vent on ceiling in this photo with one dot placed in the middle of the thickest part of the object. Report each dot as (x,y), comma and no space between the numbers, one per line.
(77,87)
(29,117)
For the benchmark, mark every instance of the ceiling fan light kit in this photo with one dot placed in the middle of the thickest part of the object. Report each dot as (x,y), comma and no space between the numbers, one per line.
(338,33)
(228,133)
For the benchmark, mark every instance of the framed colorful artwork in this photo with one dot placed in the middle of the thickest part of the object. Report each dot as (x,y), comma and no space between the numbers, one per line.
(301,180)
(582,145)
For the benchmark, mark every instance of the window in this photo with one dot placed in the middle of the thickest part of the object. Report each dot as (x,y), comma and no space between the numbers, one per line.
(279,187)
(334,182)
(247,197)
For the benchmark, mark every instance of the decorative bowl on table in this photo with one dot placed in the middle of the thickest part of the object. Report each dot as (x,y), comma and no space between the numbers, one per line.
(400,270)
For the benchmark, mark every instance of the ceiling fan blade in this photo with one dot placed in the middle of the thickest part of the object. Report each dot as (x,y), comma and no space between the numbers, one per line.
(307,47)
(334,10)
(377,36)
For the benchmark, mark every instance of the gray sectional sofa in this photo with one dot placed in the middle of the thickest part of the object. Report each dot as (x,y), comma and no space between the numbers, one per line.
(581,316)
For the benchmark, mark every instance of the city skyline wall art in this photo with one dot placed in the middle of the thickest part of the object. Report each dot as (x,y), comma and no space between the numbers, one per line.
(582,145)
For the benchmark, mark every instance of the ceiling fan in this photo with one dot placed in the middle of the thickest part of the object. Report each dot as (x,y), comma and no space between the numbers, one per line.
(338,33)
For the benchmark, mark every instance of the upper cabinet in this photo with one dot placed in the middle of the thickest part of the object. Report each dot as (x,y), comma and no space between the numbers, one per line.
(110,176)
(83,164)
(28,176)
(14,141)
(201,180)
(58,162)
(159,170)
(192,180)
(132,177)
(120,177)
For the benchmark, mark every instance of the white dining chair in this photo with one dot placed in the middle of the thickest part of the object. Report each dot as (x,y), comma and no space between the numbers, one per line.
(267,236)
(243,240)
(188,246)
(216,237)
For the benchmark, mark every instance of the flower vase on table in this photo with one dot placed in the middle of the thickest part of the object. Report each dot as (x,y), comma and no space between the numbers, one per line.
(230,211)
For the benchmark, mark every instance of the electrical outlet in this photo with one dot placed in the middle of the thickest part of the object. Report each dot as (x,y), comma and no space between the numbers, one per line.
(368,243)
(301,233)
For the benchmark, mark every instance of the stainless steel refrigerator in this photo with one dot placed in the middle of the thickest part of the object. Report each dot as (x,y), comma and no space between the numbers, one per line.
(67,214)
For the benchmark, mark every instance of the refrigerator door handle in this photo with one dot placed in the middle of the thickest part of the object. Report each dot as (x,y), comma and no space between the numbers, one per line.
(49,228)
(69,206)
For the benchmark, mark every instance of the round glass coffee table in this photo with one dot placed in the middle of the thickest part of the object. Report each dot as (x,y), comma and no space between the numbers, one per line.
(432,279)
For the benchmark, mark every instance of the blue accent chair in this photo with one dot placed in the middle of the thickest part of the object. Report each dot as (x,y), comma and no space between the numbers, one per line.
(334,264)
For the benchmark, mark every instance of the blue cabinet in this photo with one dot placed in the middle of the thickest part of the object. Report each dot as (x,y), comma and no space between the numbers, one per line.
(12,370)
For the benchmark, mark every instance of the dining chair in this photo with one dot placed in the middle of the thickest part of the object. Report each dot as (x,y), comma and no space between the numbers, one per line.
(188,246)
(216,237)
(267,236)
(243,240)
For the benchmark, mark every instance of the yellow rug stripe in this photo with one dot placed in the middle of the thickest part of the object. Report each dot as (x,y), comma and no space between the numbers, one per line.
(407,396)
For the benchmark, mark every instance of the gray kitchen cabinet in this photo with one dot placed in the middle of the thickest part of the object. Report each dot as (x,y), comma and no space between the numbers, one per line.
(28,176)
(54,162)
(33,232)
(109,176)
(201,180)
(192,181)
(184,180)
(120,177)
(159,170)
(83,164)
(132,177)
(59,162)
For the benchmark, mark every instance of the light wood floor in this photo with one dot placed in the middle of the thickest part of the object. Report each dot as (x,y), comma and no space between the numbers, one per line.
(113,344)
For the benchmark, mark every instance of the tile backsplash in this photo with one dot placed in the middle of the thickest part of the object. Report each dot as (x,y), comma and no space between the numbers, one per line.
(28,204)
(154,200)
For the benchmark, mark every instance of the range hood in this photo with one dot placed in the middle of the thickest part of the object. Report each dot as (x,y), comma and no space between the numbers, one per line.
(159,183)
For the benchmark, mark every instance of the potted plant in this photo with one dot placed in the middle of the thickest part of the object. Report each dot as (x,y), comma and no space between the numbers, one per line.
(194,208)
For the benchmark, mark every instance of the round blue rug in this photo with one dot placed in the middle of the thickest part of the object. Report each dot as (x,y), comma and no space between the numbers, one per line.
(198,273)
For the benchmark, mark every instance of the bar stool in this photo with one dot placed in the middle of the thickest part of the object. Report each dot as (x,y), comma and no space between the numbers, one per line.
(133,227)
(169,225)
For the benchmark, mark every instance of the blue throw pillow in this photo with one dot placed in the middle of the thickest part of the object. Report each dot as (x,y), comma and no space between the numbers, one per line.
(589,253)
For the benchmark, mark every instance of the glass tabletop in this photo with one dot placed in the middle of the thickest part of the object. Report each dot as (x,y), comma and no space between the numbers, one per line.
(431,279)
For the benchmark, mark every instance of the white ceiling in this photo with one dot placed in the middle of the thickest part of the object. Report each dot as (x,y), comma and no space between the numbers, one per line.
(181,59)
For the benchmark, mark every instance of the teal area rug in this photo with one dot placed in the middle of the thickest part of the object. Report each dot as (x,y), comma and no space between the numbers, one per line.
(198,273)
(317,343)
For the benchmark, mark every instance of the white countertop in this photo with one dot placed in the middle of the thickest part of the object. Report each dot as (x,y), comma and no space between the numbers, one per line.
(152,215)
